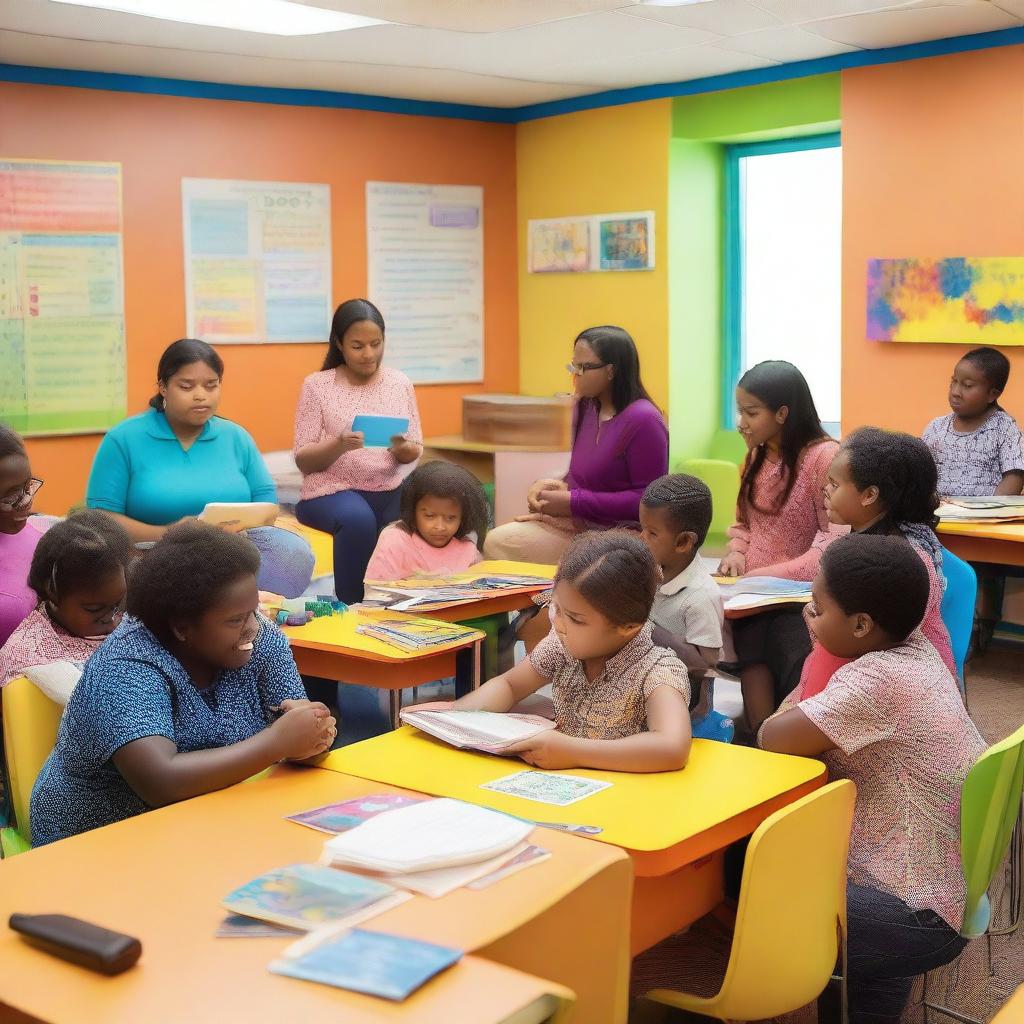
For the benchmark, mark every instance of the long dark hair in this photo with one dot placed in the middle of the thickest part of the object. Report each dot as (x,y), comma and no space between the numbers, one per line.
(184,352)
(347,314)
(778,383)
(614,346)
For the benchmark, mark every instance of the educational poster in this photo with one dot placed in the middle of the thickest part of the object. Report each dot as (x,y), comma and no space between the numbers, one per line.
(425,256)
(559,246)
(598,242)
(61,297)
(959,300)
(257,261)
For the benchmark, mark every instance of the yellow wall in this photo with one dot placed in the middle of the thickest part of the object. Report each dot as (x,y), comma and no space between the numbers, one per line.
(594,161)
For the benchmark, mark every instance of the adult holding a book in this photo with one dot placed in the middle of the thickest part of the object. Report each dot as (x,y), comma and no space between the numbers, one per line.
(350,489)
(620,445)
(171,461)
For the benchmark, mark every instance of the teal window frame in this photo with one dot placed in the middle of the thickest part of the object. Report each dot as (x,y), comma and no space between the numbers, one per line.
(732,303)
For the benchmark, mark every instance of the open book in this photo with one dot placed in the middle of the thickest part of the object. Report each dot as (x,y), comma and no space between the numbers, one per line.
(996,509)
(746,595)
(477,730)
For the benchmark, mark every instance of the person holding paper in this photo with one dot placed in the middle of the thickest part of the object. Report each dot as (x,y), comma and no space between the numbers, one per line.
(170,462)
(350,488)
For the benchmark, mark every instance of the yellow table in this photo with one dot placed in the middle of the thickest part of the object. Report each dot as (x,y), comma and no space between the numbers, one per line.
(161,876)
(331,647)
(321,543)
(674,825)
(998,543)
(1013,1009)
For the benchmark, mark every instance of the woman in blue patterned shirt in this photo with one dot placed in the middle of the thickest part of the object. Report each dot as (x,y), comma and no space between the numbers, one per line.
(192,693)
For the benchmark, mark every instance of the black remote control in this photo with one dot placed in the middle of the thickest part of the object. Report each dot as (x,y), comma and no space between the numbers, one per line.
(82,943)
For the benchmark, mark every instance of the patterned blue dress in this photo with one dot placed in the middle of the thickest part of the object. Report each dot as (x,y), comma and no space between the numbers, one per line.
(134,687)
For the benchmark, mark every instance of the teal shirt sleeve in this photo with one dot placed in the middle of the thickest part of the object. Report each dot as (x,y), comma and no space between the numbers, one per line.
(261,484)
(110,475)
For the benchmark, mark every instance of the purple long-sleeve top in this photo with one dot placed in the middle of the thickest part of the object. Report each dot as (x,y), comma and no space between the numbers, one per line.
(610,468)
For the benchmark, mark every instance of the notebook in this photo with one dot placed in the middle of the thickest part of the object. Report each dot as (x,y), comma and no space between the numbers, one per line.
(373,963)
(440,881)
(447,832)
(477,730)
(241,515)
(306,896)
(996,509)
(414,634)
(378,430)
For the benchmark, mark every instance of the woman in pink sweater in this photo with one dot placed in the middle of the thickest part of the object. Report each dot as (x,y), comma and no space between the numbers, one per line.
(782,525)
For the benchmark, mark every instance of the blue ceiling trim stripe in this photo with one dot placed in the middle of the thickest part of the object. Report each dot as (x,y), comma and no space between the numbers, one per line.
(503,115)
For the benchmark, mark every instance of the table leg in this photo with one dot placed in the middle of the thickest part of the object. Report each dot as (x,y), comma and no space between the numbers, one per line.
(467,669)
(394,707)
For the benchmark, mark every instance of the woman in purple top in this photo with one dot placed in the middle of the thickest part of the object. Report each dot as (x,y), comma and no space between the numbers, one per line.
(620,444)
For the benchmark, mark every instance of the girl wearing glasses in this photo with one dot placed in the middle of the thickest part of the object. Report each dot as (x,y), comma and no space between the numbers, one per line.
(620,445)
(78,579)
(18,534)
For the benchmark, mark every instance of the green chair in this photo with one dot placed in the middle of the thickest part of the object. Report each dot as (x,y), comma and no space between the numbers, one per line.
(990,804)
(728,446)
(723,479)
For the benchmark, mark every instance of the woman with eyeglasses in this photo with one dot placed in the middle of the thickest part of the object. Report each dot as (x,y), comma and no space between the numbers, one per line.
(620,445)
(18,534)
(78,579)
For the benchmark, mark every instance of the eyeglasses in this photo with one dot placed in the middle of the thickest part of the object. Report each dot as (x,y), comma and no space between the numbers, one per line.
(578,369)
(22,496)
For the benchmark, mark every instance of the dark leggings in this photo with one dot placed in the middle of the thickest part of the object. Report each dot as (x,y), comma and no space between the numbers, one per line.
(355,518)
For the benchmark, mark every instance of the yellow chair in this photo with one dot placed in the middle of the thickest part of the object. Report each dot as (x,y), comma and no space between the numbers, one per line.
(791,919)
(30,723)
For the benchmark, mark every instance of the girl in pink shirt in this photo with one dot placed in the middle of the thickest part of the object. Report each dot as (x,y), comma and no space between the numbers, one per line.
(442,505)
(781,525)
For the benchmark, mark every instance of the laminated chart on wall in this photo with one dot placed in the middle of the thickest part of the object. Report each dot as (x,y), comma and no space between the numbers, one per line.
(257,260)
(61,297)
(426,273)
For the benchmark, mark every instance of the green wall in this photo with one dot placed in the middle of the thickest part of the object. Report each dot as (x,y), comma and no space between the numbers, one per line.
(702,126)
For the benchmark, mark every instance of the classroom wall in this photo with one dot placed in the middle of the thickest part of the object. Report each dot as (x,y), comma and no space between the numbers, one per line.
(160,139)
(933,157)
(596,161)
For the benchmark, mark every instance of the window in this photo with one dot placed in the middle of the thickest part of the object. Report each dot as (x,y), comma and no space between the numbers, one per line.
(783,264)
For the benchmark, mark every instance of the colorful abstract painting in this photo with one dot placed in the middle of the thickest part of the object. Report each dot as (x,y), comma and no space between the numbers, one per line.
(559,246)
(960,300)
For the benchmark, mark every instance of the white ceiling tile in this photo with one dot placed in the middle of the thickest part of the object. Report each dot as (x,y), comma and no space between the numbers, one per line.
(653,68)
(408,83)
(897,28)
(786,44)
(795,12)
(726,17)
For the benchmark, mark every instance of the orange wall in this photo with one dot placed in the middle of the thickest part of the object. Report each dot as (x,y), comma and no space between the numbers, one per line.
(933,159)
(159,140)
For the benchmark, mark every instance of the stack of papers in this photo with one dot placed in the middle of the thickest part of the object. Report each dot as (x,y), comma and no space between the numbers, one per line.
(477,730)
(415,634)
(745,594)
(432,847)
(1002,509)
(428,593)
(309,896)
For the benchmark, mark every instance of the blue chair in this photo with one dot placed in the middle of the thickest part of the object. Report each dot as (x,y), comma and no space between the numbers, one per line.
(958,607)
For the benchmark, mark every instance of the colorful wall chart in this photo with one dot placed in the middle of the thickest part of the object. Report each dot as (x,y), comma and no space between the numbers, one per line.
(61,297)
(604,241)
(959,300)
(257,260)
(425,268)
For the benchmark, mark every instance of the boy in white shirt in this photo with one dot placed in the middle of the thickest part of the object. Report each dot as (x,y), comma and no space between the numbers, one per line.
(675,513)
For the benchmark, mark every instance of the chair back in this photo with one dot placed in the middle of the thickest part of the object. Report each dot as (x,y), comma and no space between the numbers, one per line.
(723,480)
(958,606)
(792,907)
(990,802)
(30,724)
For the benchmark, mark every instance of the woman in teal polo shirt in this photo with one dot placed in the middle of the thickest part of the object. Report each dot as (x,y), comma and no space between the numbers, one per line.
(168,463)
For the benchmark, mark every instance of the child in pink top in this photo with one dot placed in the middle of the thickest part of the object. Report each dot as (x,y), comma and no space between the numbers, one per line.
(781,527)
(442,504)
(892,720)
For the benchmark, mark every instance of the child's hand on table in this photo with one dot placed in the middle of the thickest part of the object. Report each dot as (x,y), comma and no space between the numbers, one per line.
(550,749)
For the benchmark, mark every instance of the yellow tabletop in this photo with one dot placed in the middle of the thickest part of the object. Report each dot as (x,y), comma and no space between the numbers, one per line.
(990,531)
(998,543)
(161,876)
(1013,1009)
(664,819)
(321,543)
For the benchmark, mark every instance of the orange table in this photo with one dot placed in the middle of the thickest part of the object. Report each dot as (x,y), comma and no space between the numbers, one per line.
(674,825)
(161,877)
(998,543)
(332,648)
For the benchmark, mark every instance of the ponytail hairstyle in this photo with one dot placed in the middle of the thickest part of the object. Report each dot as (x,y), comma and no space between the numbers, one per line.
(184,352)
(348,313)
(778,385)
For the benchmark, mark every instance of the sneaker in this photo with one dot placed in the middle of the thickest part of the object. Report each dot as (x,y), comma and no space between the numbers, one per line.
(714,726)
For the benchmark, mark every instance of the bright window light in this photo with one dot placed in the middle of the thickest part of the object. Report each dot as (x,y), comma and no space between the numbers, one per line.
(792,211)
(273,17)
